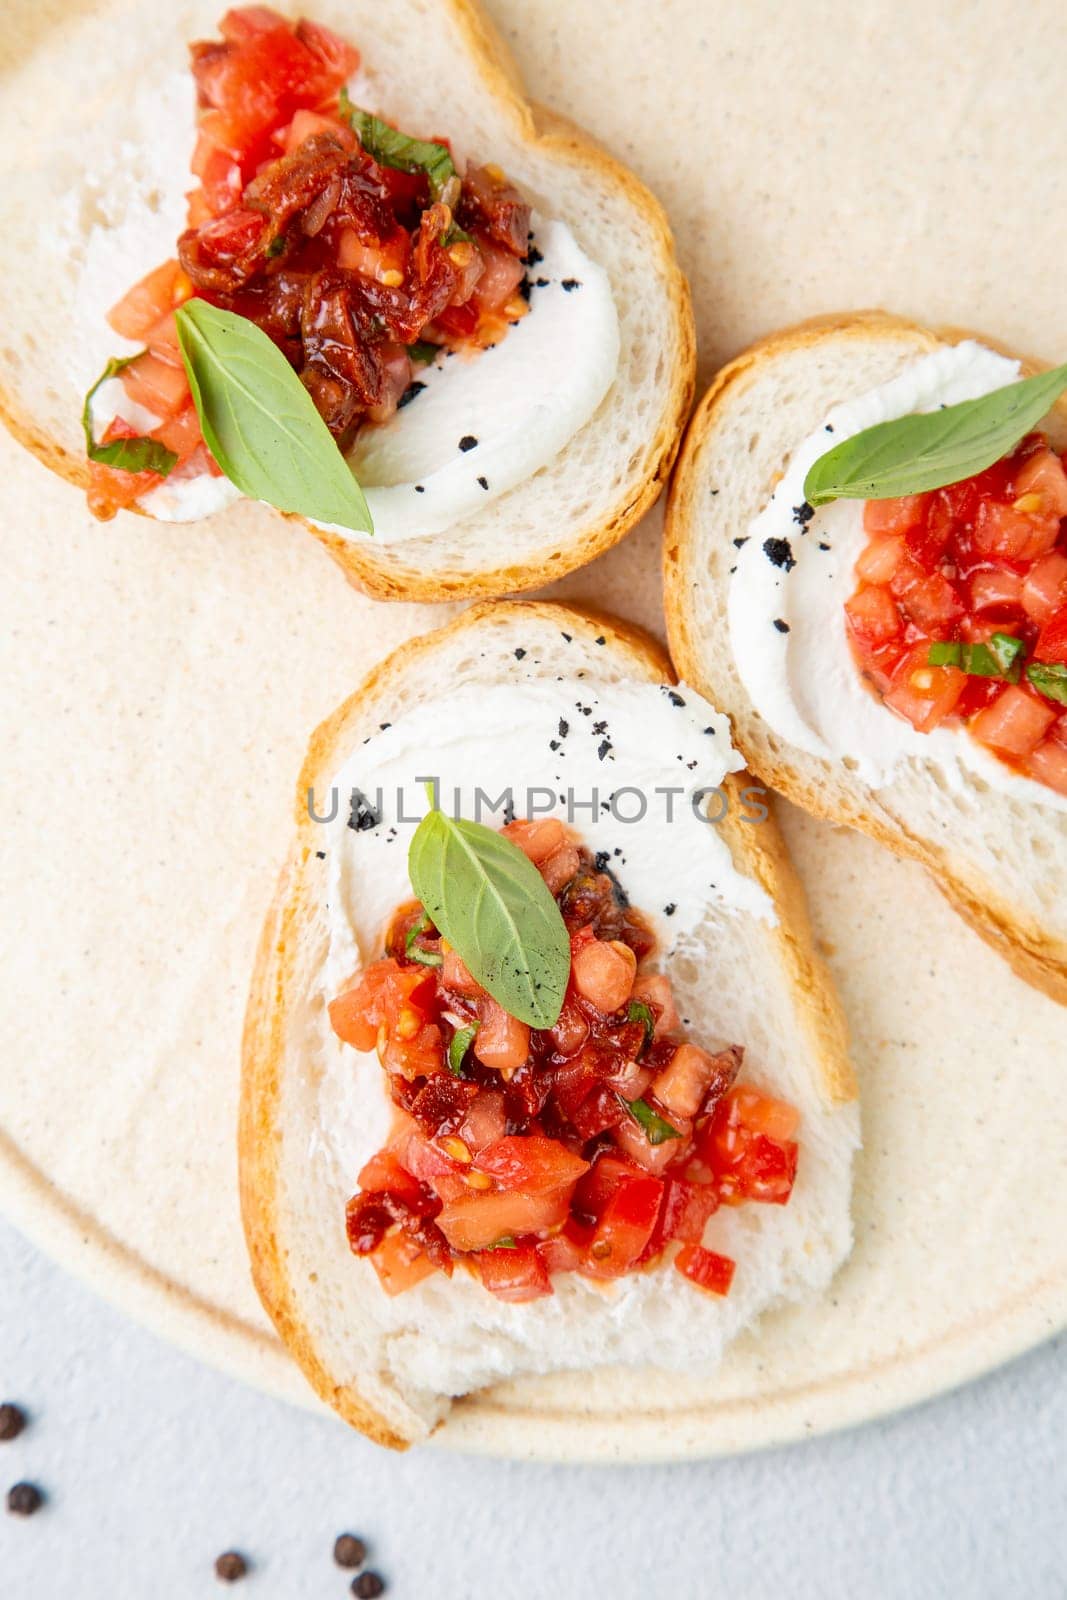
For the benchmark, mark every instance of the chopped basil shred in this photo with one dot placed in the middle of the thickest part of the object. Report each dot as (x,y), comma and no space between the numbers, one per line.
(999,658)
(129,455)
(391,148)
(415,951)
(657,1130)
(423,351)
(505,1242)
(1050,679)
(459,1044)
(638,1011)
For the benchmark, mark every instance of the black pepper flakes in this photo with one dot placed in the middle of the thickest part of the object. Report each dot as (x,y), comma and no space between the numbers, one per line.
(783,627)
(675,698)
(600,639)
(569,284)
(23,1499)
(779,553)
(526,289)
(803,513)
(603,748)
(420,488)
(483,483)
(349,1552)
(368,1586)
(567,636)
(743,540)
(564,727)
(533,257)
(362,815)
(519,653)
(468,442)
(12,1421)
(669,910)
(409,394)
(320,855)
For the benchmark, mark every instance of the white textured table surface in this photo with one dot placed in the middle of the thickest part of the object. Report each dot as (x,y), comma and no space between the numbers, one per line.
(153,1465)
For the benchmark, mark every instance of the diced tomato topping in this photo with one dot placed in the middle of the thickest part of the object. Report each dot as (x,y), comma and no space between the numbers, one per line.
(955,568)
(1048,764)
(1052,640)
(596,1146)
(516,1274)
(703,1267)
(1015,723)
(893,516)
(292,223)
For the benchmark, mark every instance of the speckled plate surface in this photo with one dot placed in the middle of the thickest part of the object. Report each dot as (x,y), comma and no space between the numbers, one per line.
(159,685)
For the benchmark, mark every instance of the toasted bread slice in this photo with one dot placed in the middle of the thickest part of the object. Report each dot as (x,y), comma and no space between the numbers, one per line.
(1001,860)
(391,1367)
(101,173)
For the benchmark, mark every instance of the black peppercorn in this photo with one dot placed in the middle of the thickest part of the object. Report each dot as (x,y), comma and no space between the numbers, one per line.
(368,1586)
(12,1421)
(23,1499)
(349,1552)
(230,1566)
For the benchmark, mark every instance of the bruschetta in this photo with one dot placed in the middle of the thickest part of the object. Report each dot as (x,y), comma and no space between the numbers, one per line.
(484,310)
(897,663)
(611,1127)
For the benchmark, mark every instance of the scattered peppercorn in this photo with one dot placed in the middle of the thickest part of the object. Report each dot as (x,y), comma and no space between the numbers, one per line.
(230,1566)
(12,1421)
(368,1586)
(468,442)
(349,1552)
(23,1499)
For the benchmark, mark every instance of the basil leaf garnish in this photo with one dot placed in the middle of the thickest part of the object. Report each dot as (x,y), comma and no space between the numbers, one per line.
(505,1242)
(495,909)
(129,455)
(391,148)
(260,423)
(1049,679)
(997,659)
(657,1131)
(931,449)
(423,351)
(458,1046)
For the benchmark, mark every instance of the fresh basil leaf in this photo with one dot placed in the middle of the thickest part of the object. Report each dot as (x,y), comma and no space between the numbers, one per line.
(458,1046)
(944,653)
(1050,679)
(423,351)
(657,1131)
(930,449)
(638,1011)
(494,908)
(505,1242)
(260,423)
(129,455)
(1006,649)
(391,148)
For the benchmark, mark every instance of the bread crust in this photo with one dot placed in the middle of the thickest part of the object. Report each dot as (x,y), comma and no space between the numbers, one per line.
(758,851)
(382,571)
(1035,955)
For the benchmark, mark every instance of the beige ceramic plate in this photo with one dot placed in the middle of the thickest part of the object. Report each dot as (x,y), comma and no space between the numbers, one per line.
(159,685)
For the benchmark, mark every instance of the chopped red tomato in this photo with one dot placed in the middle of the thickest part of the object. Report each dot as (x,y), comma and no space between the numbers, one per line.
(516,1272)
(706,1269)
(959,567)
(539,1153)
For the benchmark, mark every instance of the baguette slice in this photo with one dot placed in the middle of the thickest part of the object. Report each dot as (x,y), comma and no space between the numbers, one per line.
(1001,862)
(739,977)
(96,166)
